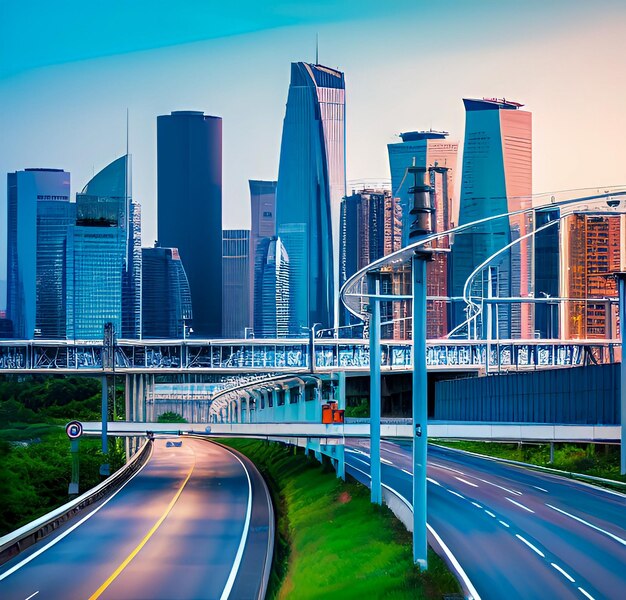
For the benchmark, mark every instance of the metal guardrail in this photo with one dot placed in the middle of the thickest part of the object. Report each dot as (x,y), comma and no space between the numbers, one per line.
(24,537)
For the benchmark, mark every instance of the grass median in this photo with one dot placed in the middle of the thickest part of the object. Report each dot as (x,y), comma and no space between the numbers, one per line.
(331,541)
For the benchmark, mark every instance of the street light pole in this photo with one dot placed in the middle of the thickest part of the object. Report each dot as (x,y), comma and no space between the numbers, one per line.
(373,285)
(621,282)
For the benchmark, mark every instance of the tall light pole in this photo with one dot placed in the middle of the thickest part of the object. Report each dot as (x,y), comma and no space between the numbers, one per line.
(422,226)
(621,282)
(373,289)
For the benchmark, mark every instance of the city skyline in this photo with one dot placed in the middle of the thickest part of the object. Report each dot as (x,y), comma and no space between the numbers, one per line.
(524,68)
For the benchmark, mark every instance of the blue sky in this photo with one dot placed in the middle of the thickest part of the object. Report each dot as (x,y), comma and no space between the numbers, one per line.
(70,69)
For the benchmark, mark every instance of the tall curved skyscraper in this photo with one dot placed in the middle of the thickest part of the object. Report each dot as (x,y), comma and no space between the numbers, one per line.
(311,184)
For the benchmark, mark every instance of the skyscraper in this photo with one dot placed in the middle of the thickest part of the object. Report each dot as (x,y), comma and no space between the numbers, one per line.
(103,269)
(271,289)
(547,265)
(166,298)
(311,184)
(496,179)
(189,181)
(592,247)
(371,227)
(235,283)
(39,215)
(263,223)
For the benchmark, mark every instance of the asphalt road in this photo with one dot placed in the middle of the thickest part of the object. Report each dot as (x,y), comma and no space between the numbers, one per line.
(192,524)
(517,533)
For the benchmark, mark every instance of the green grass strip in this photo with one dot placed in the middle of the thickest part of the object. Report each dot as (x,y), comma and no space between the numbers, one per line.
(331,541)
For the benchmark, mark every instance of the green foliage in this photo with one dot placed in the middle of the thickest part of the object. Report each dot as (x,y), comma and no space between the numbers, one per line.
(331,541)
(171,417)
(360,410)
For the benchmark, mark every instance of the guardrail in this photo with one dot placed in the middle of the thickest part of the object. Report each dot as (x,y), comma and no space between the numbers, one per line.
(24,537)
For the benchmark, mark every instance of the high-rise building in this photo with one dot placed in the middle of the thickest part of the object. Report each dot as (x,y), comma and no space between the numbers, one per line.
(103,269)
(425,149)
(166,298)
(263,223)
(271,289)
(189,181)
(39,216)
(235,283)
(592,247)
(547,265)
(311,184)
(496,179)
(371,227)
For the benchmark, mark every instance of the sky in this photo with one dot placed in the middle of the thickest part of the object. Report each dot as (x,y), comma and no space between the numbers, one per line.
(69,71)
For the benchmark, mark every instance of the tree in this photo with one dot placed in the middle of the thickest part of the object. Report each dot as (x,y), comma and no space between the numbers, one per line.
(171,417)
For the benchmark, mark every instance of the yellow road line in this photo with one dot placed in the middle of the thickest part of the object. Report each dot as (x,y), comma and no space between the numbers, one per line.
(143,542)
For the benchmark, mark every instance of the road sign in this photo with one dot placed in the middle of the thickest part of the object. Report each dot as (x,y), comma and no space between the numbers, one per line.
(74,430)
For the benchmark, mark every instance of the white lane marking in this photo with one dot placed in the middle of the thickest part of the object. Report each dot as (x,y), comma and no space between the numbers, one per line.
(465,481)
(540,489)
(618,539)
(473,594)
(586,593)
(503,523)
(407,472)
(515,492)
(476,505)
(564,573)
(446,468)
(57,539)
(457,494)
(32,595)
(244,537)
(531,546)
(490,513)
(394,452)
(433,481)
(520,505)
(362,461)
(384,460)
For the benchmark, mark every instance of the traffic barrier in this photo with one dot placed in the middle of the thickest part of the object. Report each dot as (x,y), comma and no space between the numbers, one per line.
(24,537)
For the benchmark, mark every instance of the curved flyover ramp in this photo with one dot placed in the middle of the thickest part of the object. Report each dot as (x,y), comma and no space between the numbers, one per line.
(195,522)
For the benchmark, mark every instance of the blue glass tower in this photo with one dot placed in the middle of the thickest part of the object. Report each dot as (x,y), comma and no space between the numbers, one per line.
(39,215)
(166,297)
(311,184)
(103,273)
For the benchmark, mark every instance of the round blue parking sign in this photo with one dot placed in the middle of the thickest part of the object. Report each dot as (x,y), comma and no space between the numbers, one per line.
(74,430)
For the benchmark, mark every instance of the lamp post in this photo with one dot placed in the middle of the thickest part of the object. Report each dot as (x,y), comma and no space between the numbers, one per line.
(621,283)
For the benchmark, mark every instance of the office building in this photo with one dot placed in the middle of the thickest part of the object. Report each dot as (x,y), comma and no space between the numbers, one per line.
(592,251)
(271,290)
(236,283)
(547,267)
(166,297)
(39,214)
(102,270)
(311,184)
(263,223)
(496,180)
(189,186)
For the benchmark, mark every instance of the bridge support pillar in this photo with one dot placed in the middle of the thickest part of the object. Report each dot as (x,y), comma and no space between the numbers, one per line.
(621,277)
(375,358)
(136,388)
(340,462)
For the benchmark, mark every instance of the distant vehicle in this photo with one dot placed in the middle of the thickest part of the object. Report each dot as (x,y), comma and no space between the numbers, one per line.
(173,444)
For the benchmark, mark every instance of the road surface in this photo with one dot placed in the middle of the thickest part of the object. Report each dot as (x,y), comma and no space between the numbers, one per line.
(192,524)
(517,533)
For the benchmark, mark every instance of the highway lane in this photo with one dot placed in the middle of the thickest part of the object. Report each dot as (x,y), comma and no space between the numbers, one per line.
(189,525)
(517,533)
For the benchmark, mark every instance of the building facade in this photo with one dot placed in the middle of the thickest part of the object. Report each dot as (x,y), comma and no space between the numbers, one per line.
(166,297)
(496,180)
(189,187)
(311,184)
(236,283)
(39,215)
(263,223)
(103,271)
(592,250)
(271,290)
(547,268)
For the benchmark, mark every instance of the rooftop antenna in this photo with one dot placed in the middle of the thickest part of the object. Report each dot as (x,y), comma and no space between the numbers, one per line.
(127,131)
(317,49)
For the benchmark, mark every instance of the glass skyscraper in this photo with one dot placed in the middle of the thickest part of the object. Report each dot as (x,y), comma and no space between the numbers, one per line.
(103,270)
(38,217)
(189,182)
(235,282)
(166,298)
(271,289)
(496,179)
(311,184)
